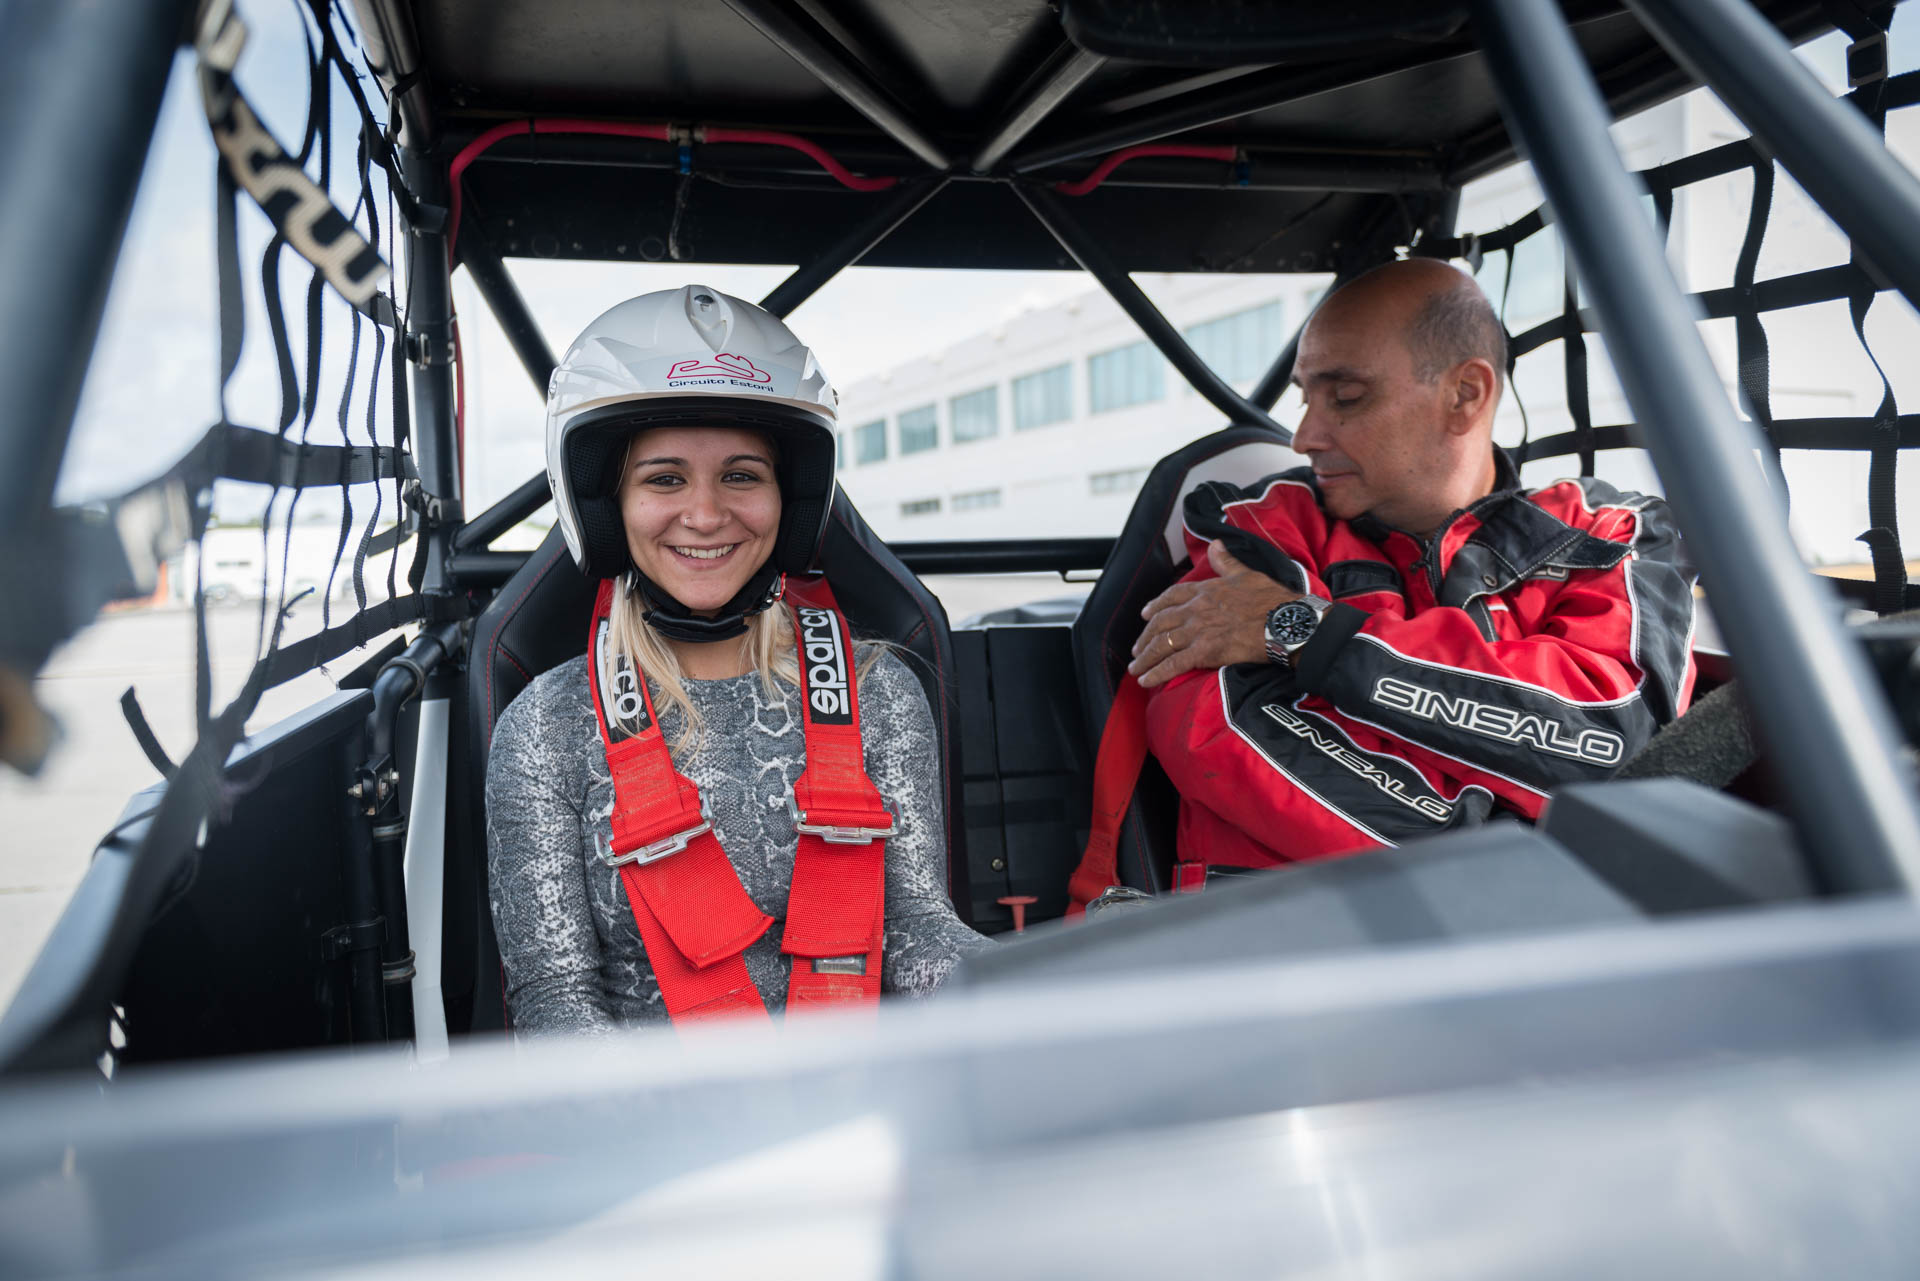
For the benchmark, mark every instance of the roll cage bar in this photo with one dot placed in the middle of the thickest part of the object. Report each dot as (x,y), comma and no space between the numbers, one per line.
(1823,722)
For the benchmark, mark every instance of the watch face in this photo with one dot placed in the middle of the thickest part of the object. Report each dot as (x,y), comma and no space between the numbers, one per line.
(1293,623)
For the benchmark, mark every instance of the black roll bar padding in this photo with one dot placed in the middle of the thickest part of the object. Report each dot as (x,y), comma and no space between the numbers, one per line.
(481,569)
(1825,724)
(528,497)
(858,241)
(1008,556)
(1216,104)
(429,342)
(504,300)
(401,678)
(80,90)
(1284,169)
(1823,142)
(393,55)
(1065,71)
(801,39)
(1093,259)
(377,788)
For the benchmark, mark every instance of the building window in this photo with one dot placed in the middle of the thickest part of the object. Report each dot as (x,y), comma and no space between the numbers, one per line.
(1043,398)
(976,415)
(976,500)
(870,442)
(840,452)
(1118,482)
(1241,346)
(919,430)
(921,507)
(1130,375)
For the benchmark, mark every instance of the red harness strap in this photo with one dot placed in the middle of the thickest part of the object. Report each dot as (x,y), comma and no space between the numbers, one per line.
(1116,768)
(694,918)
(836,911)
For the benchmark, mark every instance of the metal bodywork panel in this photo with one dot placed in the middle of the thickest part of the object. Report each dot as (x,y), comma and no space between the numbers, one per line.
(1728,1095)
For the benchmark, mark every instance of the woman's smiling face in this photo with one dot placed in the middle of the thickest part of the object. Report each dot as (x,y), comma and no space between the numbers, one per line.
(702,510)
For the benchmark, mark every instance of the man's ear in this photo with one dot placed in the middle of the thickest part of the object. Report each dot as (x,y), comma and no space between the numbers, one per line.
(1474,385)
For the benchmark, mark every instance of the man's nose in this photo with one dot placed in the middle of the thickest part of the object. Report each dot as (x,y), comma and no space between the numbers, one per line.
(1310,437)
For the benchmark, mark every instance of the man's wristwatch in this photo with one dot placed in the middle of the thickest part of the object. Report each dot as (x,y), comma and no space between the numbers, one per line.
(1291,625)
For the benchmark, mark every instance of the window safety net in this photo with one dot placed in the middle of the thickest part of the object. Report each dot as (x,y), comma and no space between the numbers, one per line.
(1746,301)
(342,421)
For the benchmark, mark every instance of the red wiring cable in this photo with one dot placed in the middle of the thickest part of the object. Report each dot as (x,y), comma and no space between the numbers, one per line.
(1105,168)
(662,133)
(514,128)
(818,154)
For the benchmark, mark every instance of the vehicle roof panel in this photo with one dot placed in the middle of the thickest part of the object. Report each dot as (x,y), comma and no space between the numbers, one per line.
(954,69)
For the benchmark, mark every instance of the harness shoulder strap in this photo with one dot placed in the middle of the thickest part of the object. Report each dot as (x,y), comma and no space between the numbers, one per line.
(694,918)
(836,912)
(1116,768)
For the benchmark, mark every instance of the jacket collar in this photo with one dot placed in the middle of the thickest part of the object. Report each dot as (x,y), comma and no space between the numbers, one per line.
(1512,539)
(1506,483)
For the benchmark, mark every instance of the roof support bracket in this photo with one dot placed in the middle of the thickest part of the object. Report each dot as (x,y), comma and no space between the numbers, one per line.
(1066,71)
(803,40)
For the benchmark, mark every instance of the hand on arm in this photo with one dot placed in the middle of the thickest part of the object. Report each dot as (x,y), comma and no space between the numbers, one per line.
(1207,623)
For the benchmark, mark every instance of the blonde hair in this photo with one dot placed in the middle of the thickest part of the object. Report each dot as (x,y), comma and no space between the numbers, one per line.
(769,647)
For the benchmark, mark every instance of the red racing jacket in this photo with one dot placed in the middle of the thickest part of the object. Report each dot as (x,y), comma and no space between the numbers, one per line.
(1539,637)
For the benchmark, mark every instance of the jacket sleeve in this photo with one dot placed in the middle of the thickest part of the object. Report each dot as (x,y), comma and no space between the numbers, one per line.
(1602,666)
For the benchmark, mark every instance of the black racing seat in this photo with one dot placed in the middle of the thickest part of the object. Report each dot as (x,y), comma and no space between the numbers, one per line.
(1147,558)
(538,620)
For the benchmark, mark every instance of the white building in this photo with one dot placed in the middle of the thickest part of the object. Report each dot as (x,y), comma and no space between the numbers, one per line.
(1044,426)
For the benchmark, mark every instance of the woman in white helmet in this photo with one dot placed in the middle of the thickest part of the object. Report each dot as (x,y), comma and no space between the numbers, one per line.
(726,806)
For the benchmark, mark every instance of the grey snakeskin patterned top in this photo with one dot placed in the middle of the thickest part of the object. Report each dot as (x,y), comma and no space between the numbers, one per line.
(573,956)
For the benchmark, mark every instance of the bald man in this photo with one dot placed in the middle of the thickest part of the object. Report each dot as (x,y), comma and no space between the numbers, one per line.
(1398,639)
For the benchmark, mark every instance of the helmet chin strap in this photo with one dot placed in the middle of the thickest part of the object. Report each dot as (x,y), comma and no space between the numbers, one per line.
(675,621)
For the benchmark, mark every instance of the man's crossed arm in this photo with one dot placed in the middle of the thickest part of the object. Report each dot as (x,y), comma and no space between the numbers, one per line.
(1214,622)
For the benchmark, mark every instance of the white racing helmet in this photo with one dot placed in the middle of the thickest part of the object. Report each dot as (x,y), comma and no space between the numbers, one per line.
(691,357)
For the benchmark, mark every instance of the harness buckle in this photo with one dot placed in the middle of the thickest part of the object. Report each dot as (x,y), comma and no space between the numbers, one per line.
(665,847)
(838,835)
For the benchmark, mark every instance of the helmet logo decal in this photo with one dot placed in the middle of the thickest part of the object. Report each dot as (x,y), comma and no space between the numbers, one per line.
(725,366)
